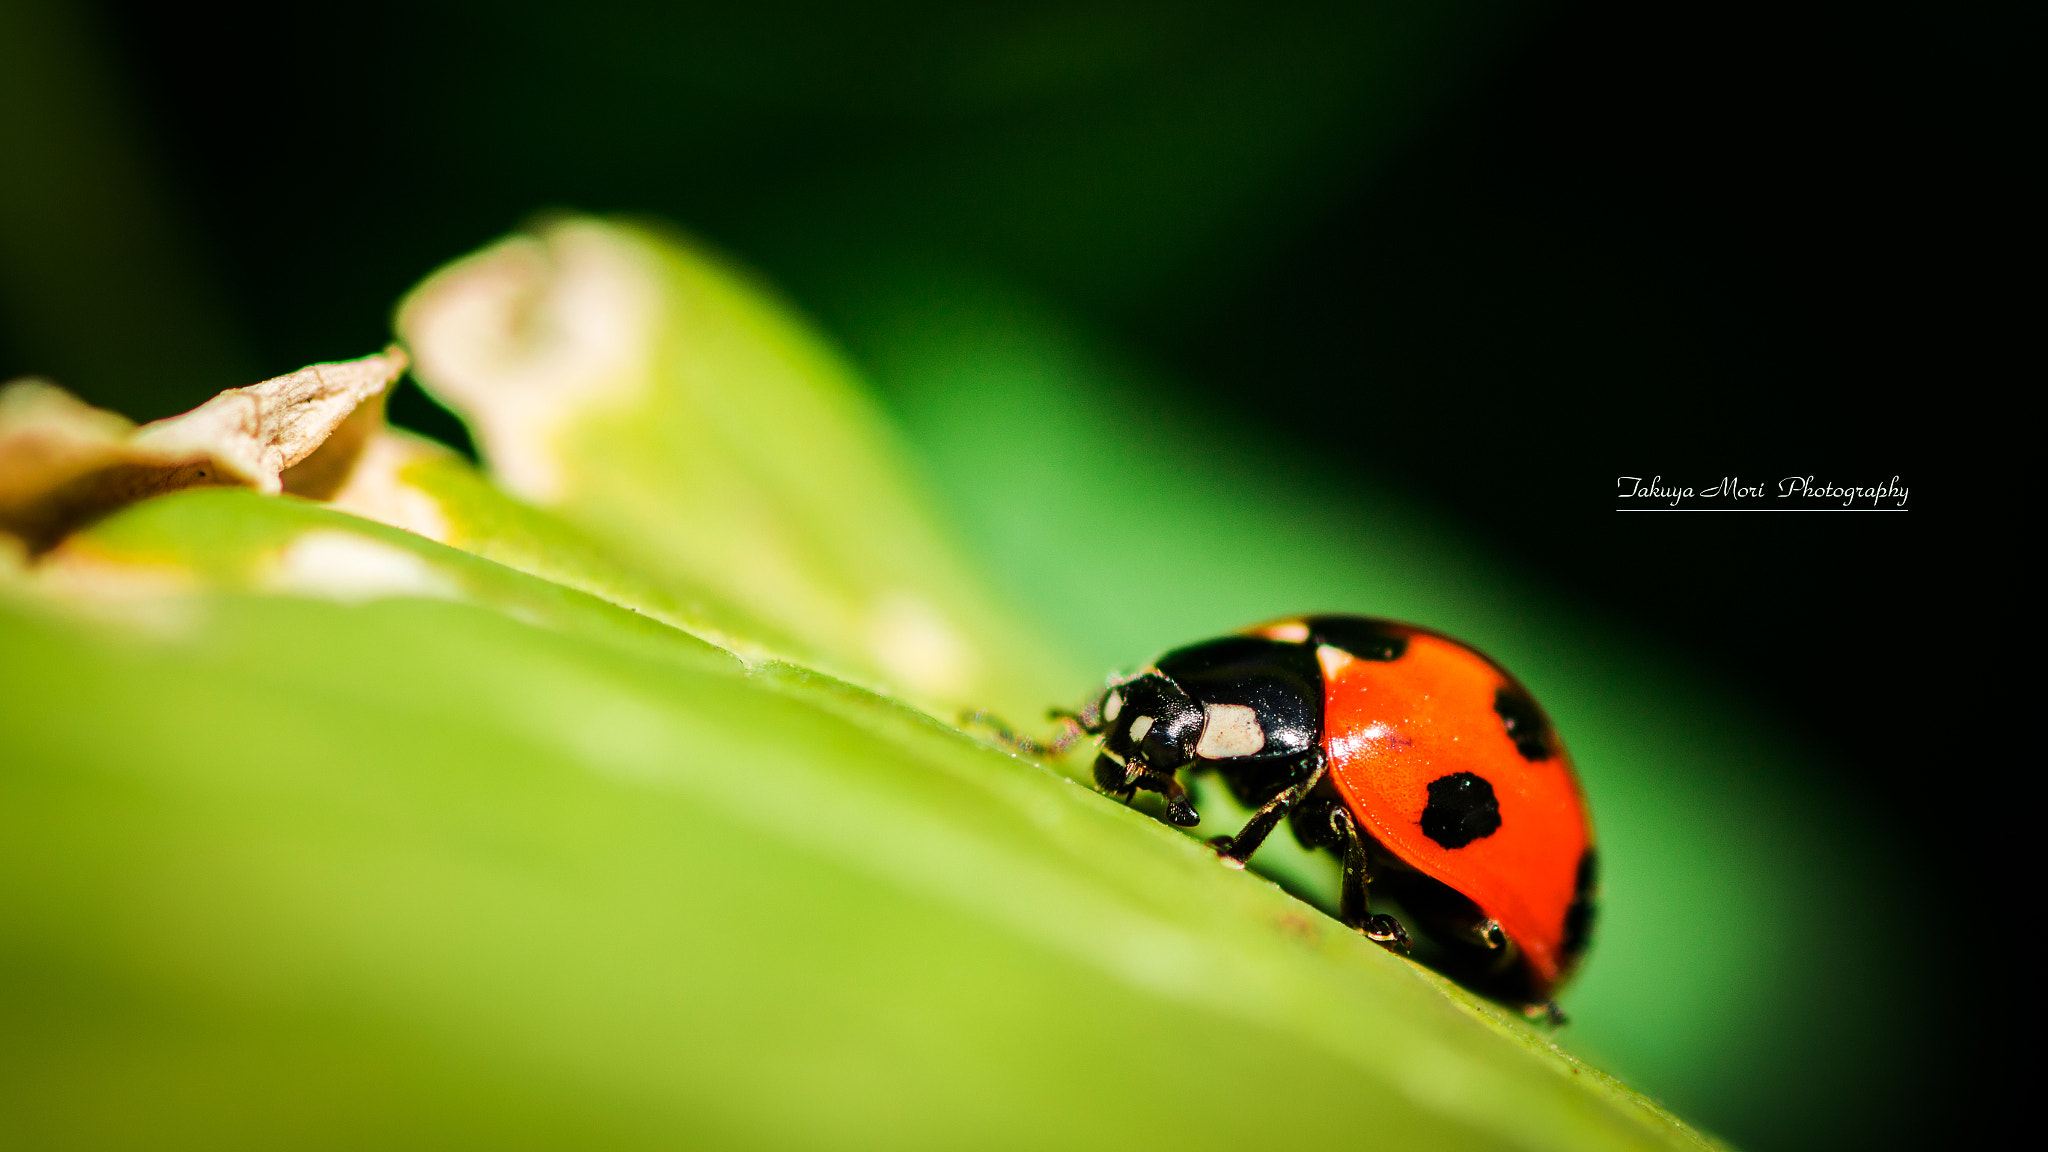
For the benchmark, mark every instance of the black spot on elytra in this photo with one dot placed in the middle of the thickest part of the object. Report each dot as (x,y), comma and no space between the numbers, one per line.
(1362,636)
(1578,919)
(1526,724)
(1462,808)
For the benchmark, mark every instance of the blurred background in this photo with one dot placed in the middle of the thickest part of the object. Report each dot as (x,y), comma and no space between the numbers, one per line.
(1205,312)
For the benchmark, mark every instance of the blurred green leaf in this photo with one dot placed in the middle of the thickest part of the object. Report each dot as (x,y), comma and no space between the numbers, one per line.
(457,505)
(669,409)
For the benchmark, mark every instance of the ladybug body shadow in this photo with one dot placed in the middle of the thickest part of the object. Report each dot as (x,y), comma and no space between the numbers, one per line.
(1421,764)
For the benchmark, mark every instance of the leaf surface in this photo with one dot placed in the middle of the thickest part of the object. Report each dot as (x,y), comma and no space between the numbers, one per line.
(584,876)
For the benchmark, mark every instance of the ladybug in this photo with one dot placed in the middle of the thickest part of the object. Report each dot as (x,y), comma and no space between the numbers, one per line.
(1415,759)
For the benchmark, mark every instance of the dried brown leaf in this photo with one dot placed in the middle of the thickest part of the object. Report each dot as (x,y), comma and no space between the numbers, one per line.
(64,463)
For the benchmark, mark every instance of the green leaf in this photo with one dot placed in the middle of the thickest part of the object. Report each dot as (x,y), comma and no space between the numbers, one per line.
(498,862)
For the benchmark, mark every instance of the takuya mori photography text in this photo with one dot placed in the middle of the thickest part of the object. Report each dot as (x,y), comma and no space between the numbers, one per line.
(1735,494)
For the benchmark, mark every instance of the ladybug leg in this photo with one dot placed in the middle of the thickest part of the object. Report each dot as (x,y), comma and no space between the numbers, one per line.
(1180,811)
(1119,780)
(1239,848)
(1088,721)
(993,725)
(1124,780)
(1070,734)
(1353,902)
(1073,726)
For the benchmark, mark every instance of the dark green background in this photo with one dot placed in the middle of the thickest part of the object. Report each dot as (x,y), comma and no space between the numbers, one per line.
(1467,261)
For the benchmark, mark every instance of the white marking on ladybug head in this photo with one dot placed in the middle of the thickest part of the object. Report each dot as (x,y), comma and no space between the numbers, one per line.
(1230,730)
(1139,727)
(1333,660)
(1112,706)
(1294,632)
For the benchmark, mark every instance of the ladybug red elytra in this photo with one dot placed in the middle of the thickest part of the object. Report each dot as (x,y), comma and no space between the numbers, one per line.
(1421,763)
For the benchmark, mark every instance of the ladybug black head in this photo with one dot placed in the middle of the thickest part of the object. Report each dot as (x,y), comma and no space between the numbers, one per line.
(1151,718)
